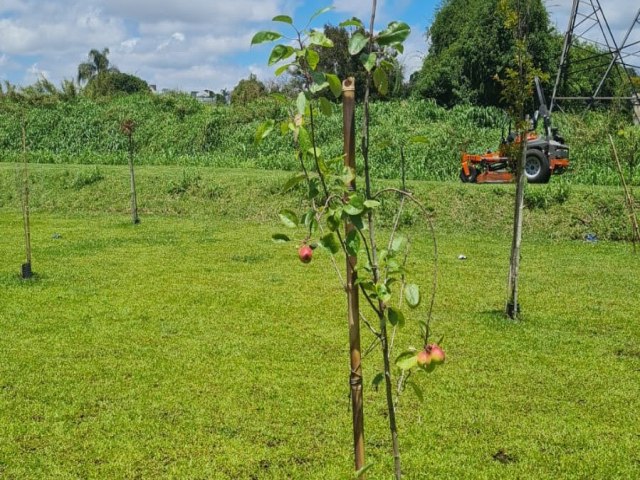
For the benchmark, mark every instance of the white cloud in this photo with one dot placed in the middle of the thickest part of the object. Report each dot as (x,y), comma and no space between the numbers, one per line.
(415,49)
(161,41)
(35,73)
(196,11)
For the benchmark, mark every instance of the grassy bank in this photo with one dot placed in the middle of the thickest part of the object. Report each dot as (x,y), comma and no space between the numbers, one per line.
(177,130)
(558,211)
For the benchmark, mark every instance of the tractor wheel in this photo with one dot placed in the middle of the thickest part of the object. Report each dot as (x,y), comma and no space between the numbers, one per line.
(473,175)
(536,167)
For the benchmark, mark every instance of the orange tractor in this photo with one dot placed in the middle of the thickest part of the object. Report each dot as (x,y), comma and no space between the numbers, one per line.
(547,154)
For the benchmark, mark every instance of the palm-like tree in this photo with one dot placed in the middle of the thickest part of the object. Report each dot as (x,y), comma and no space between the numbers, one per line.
(97,63)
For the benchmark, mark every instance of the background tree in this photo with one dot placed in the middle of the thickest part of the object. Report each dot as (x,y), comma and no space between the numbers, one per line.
(97,62)
(470,46)
(113,82)
(339,61)
(248,90)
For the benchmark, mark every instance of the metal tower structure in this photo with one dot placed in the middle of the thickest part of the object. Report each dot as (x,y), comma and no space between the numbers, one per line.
(589,44)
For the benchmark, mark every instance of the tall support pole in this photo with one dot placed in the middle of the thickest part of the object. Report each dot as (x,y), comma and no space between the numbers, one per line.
(353,306)
(568,37)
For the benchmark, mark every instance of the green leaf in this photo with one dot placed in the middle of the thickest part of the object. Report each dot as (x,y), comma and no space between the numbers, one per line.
(357,42)
(314,188)
(396,317)
(419,139)
(330,242)
(383,293)
(388,66)
(301,103)
(377,380)
(283,19)
(289,218)
(320,12)
(371,203)
(381,81)
(304,140)
(334,84)
(334,219)
(281,69)
(280,52)
(398,243)
(417,390)
(318,37)
(396,32)
(348,175)
(326,107)
(355,205)
(319,82)
(357,222)
(316,152)
(312,57)
(407,360)
(354,22)
(310,221)
(412,295)
(293,181)
(353,243)
(368,60)
(264,130)
(265,36)
(280,238)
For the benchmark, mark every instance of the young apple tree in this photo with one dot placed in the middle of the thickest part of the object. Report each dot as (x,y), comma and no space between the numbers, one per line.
(341,219)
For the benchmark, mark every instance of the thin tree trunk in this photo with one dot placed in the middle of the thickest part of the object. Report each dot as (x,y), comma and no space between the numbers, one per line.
(26,268)
(512,308)
(134,204)
(353,305)
(635,235)
(374,256)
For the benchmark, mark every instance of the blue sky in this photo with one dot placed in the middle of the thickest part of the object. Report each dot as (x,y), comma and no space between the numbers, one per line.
(192,44)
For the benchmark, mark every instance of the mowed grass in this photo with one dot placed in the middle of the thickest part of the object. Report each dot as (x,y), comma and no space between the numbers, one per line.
(194,347)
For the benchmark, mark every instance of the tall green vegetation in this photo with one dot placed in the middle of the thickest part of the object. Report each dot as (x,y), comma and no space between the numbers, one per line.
(470,46)
(175,129)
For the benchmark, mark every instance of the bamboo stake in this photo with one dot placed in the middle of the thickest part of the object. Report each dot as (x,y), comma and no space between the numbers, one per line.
(635,236)
(353,306)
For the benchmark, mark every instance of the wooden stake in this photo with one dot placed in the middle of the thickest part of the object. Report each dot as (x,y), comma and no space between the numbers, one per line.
(26,268)
(635,236)
(353,306)
(512,308)
(128,127)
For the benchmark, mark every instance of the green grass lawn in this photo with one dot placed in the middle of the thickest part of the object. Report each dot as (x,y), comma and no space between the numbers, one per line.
(191,346)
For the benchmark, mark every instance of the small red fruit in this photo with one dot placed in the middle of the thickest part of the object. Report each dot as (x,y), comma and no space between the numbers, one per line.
(305,253)
(424,358)
(436,353)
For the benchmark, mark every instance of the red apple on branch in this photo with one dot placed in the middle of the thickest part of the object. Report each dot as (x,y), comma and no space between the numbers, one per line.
(305,253)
